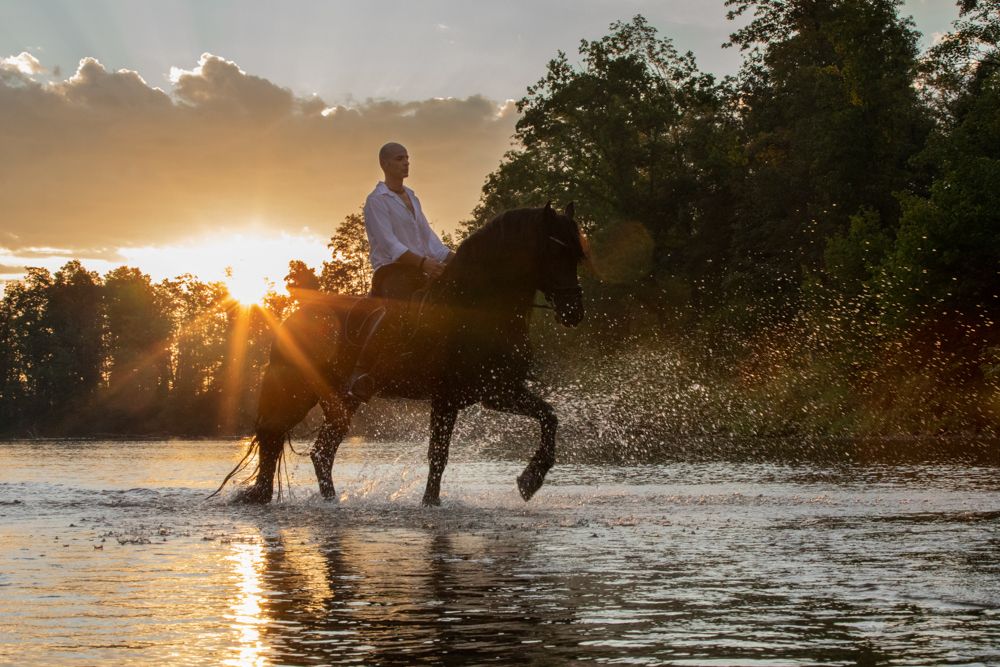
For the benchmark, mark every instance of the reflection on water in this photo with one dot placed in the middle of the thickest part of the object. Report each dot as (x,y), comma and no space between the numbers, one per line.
(681,564)
(247,614)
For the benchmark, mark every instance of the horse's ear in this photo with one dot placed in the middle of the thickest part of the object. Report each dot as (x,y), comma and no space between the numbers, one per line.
(570,210)
(548,207)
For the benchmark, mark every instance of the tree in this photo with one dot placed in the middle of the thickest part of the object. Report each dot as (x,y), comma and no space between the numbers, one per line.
(962,58)
(641,140)
(300,277)
(10,385)
(53,327)
(349,271)
(831,121)
(944,265)
(138,348)
(200,339)
(74,322)
(27,347)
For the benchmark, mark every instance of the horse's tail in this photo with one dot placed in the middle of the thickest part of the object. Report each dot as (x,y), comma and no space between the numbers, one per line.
(252,448)
(252,453)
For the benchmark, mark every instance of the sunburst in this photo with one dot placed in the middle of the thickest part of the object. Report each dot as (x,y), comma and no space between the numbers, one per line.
(247,287)
(248,263)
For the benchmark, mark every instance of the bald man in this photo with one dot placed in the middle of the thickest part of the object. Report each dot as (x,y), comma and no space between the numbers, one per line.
(405,254)
(398,233)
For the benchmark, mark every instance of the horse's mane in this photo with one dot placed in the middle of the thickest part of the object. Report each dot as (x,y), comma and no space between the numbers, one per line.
(507,235)
(516,228)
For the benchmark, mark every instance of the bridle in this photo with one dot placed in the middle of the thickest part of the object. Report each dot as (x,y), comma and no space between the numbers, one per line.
(556,293)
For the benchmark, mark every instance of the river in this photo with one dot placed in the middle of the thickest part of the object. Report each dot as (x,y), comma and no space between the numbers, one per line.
(111,555)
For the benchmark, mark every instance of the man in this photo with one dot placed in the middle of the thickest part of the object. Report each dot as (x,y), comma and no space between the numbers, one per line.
(405,253)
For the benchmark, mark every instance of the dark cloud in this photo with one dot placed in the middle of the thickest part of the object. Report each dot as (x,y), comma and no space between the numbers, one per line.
(102,160)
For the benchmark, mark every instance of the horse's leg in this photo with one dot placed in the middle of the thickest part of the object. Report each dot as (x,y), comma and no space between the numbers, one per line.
(269,445)
(337,413)
(524,402)
(285,399)
(442,423)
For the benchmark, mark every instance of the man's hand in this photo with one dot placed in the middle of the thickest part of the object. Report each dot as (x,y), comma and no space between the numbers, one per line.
(427,265)
(432,267)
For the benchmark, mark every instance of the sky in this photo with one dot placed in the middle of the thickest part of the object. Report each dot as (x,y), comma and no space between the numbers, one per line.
(190,135)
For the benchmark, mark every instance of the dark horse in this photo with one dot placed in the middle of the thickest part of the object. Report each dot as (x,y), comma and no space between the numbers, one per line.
(469,344)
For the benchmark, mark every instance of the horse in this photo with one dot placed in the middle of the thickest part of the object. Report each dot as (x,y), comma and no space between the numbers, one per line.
(472,338)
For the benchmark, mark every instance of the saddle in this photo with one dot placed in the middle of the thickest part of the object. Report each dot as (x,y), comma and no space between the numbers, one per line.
(367,313)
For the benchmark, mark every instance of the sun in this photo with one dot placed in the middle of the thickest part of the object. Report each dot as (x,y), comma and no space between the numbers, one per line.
(250,263)
(247,287)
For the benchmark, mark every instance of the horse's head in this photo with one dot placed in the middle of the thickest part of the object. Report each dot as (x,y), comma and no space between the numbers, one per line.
(562,250)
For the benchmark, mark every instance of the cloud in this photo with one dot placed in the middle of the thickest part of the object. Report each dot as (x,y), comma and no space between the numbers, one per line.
(219,85)
(24,62)
(102,160)
(92,86)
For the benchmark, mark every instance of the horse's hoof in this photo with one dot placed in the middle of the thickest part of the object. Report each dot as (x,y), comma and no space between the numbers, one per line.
(431,501)
(528,482)
(253,496)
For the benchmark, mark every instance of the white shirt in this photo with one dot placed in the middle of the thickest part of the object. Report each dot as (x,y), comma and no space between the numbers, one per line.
(392,229)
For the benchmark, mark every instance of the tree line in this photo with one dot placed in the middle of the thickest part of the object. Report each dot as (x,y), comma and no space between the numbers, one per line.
(822,228)
(84,354)
(819,233)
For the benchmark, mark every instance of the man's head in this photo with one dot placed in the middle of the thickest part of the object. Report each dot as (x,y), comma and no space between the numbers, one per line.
(395,162)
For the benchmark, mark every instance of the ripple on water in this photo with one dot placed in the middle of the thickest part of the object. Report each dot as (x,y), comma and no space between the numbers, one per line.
(678,563)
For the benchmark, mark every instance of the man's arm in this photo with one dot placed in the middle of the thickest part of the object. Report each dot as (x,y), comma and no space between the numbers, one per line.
(381,238)
(440,253)
(384,242)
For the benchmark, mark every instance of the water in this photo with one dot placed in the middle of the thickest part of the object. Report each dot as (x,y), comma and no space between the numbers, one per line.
(110,555)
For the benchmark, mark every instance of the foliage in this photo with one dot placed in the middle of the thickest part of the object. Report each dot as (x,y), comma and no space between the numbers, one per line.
(962,59)
(946,260)
(85,355)
(138,341)
(830,121)
(642,142)
(813,194)
(349,270)
(819,236)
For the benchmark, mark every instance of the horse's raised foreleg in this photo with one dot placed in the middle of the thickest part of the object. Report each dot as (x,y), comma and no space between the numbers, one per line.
(524,402)
(442,423)
(337,420)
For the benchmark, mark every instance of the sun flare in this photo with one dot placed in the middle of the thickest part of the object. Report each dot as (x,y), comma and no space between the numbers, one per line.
(246,287)
(248,263)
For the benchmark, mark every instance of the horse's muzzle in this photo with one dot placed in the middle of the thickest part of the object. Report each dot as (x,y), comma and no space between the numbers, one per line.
(568,304)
